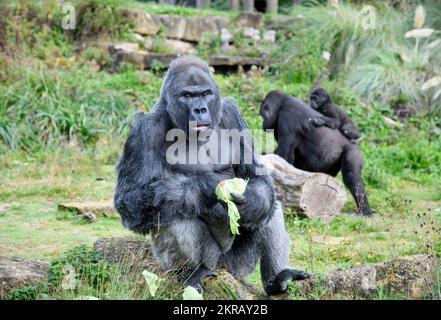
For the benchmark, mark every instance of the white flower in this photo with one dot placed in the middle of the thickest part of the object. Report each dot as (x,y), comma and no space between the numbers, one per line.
(326,55)
(431,83)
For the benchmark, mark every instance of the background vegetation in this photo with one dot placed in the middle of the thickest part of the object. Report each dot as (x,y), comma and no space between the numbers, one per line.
(64,118)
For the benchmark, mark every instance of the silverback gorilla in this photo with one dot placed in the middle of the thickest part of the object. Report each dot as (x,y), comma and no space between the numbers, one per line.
(176,202)
(310,148)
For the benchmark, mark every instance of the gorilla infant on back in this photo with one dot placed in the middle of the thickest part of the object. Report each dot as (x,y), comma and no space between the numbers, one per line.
(175,201)
(311,148)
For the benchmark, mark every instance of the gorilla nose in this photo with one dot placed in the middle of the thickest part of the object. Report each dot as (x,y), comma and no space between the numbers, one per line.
(202,116)
(200,110)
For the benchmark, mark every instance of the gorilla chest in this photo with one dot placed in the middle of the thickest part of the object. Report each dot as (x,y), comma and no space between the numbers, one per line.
(198,157)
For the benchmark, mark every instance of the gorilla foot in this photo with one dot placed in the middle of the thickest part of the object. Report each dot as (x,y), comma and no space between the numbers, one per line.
(196,277)
(280,283)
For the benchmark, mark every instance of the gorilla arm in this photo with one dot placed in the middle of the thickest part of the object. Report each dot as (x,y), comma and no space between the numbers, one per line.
(147,195)
(257,204)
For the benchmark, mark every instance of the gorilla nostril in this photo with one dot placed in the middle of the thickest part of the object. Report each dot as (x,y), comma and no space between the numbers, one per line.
(203,110)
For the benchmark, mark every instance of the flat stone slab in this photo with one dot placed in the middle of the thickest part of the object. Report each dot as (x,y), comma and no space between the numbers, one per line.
(231,61)
(19,272)
(98,208)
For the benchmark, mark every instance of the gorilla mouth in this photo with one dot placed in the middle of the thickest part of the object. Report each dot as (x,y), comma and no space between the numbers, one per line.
(201,127)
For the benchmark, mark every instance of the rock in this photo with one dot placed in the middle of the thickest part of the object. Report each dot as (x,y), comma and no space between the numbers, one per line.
(89,217)
(153,59)
(226,36)
(250,19)
(138,37)
(175,46)
(312,195)
(286,23)
(99,208)
(269,36)
(143,23)
(199,25)
(124,46)
(174,25)
(251,33)
(392,123)
(134,254)
(226,287)
(410,277)
(18,272)
(228,61)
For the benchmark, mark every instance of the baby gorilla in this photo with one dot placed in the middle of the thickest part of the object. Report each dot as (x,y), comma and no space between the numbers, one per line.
(333,116)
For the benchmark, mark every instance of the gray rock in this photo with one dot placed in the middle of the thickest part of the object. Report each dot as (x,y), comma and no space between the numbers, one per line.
(226,61)
(19,272)
(143,23)
(174,26)
(134,254)
(174,46)
(286,23)
(411,277)
(226,36)
(269,36)
(124,46)
(250,19)
(198,26)
(251,33)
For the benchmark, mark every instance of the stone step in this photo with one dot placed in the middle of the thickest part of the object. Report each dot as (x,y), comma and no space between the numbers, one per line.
(98,208)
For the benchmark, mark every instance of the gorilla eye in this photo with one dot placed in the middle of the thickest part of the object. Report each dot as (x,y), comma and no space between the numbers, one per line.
(187,95)
(206,93)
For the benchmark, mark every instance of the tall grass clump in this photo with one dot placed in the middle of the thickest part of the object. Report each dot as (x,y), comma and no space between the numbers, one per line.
(54,106)
(408,67)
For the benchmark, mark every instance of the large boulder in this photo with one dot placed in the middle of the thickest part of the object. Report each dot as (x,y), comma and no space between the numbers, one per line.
(143,23)
(173,46)
(19,272)
(250,19)
(198,26)
(174,26)
(411,277)
(135,254)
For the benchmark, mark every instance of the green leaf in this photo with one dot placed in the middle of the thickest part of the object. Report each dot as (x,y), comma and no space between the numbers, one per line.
(152,281)
(191,293)
(223,192)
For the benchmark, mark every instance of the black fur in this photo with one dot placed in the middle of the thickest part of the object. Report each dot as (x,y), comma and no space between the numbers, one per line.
(177,203)
(333,116)
(313,149)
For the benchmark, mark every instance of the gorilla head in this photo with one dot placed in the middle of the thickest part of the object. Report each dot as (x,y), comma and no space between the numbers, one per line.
(318,98)
(190,94)
(269,109)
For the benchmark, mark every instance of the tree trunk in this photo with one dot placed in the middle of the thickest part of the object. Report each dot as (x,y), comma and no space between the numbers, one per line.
(272,6)
(169,2)
(312,195)
(248,5)
(234,5)
(202,4)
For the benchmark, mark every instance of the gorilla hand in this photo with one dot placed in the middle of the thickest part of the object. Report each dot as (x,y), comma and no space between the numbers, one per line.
(317,121)
(280,283)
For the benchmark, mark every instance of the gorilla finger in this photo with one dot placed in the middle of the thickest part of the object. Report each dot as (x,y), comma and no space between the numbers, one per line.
(238,198)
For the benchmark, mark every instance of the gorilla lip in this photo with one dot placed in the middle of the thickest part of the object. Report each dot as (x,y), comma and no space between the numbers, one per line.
(201,127)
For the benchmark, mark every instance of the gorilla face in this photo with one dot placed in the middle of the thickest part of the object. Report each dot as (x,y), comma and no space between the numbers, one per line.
(269,109)
(192,97)
(318,98)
